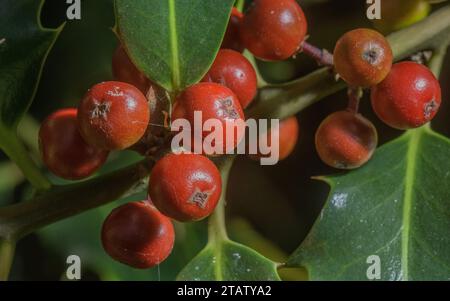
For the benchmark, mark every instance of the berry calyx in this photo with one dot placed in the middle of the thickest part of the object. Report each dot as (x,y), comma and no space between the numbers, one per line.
(287,134)
(138,235)
(125,71)
(231,69)
(185,187)
(64,151)
(232,39)
(273,30)
(215,102)
(113,115)
(362,57)
(346,140)
(409,97)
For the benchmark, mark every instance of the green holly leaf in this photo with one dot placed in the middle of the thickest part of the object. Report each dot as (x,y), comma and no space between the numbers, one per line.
(229,261)
(24,45)
(396,207)
(173,42)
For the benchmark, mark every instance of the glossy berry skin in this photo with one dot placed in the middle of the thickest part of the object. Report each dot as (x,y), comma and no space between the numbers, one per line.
(273,30)
(362,57)
(138,235)
(113,115)
(346,140)
(185,187)
(287,134)
(64,151)
(409,97)
(232,39)
(125,71)
(231,69)
(214,101)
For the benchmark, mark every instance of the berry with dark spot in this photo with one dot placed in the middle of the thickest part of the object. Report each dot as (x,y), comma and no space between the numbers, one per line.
(138,235)
(113,115)
(215,103)
(64,151)
(234,71)
(362,57)
(273,30)
(185,187)
(346,140)
(409,97)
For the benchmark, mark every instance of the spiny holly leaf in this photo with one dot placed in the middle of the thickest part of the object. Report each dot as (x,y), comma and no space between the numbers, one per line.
(229,261)
(172,41)
(396,207)
(24,46)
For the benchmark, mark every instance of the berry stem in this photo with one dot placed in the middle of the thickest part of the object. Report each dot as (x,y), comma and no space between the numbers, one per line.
(27,131)
(354,98)
(16,151)
(261,82)
(60,202)
(322,56)
(437,60)
(216,228)
(7,249)
(240,5)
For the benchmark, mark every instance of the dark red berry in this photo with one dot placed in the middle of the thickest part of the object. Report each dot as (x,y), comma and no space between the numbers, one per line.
(64,151)
(215,102)
(409,97)
(363,57)
(185,187)
(234,71)
(138,235)
(346,140)
(232,39)
(113,115)
(273,30)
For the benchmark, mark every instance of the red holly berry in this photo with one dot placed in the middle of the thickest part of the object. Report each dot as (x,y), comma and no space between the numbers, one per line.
(234,71)
(273,30)
(363,57)
(125,71)
(286,133)
(409,97)
(346,140)
(138,235)
(63,150)
(216,103)
(185,187)
(231,39)
(113,115)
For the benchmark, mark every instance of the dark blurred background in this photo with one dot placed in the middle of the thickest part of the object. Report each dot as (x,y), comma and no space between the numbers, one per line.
(270,208)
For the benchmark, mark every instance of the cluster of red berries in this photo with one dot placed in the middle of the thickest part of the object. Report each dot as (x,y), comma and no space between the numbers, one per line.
(404,95)
(120,114)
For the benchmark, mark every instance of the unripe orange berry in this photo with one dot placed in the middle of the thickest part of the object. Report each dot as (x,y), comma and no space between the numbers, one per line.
(346,140)
(362,57)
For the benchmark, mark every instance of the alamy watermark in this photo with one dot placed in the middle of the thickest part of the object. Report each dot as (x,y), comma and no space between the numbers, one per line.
(261,138)
(374,270)
(73,271)
(73,11)
(373,10)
